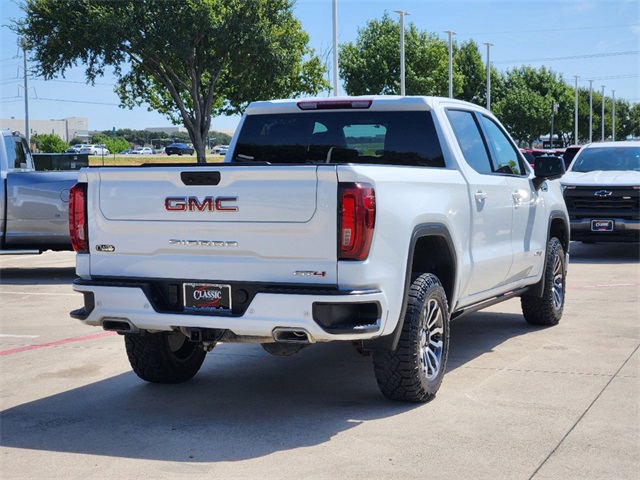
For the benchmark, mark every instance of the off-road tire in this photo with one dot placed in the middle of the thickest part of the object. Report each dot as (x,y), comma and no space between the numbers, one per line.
(413,372)
(165,357)
(547,310)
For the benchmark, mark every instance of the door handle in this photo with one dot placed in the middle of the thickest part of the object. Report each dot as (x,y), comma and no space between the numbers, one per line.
(480,196)
(517,197)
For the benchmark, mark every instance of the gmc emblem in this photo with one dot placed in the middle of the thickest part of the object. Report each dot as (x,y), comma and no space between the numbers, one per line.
(193,204)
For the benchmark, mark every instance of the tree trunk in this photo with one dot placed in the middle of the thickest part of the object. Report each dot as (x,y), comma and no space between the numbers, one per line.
(201,151)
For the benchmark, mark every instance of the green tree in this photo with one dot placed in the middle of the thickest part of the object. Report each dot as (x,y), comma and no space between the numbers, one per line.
(113,144)
(371,65)
(467,62)
(187,59)
(624,126)
(525,100)
(583,116)
(49,143)
(634,120)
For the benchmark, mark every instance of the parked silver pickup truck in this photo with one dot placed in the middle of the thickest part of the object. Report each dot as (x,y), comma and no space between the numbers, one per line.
(34,205)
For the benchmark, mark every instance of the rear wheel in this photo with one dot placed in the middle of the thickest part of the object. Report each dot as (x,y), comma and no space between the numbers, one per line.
(165,357)
(547,310)
(414,371)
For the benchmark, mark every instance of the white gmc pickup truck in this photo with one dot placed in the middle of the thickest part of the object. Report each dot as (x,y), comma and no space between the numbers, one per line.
(370,220)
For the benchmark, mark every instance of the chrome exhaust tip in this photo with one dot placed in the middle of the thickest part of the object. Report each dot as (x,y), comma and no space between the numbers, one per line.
(292,335)
(120,325)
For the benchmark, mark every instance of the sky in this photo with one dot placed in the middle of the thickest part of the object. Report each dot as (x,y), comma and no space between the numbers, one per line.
(596,40)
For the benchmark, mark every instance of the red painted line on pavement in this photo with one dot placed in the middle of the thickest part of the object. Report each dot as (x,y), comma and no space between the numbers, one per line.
(614,285)
(58,343)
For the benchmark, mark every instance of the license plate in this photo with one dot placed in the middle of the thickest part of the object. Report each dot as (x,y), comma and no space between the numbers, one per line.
(602,225)
(207,297)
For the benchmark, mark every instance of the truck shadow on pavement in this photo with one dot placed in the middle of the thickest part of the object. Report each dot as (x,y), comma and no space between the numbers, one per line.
(39,276)
(243,404)
(604,253)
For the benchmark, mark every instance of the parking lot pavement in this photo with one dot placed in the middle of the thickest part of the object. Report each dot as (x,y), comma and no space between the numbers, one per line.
(518,402)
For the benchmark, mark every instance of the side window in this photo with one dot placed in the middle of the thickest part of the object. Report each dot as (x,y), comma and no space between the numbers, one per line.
(17,153)
(506,158)
(470,140)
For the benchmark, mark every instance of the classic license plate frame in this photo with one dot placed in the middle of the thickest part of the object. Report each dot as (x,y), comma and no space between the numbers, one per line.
(603,225)
(206,297)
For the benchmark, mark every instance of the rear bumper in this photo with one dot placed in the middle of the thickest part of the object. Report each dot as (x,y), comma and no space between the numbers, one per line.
(325,317)
(624,230)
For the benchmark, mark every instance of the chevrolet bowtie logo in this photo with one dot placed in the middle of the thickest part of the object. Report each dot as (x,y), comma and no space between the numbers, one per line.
(603,193)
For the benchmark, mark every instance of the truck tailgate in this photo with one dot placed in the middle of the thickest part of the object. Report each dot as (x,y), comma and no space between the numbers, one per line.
(234,223)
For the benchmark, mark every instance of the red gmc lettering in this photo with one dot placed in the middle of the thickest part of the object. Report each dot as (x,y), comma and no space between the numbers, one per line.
(226,208)
(194,204)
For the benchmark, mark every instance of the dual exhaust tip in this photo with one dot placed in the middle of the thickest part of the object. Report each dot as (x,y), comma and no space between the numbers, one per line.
(280,334)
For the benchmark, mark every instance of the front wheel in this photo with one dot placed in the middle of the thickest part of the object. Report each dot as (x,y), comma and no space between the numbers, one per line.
(547,310)
(165,357)
(413,372)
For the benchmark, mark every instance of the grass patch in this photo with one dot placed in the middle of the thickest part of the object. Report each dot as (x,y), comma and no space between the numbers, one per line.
(133,160)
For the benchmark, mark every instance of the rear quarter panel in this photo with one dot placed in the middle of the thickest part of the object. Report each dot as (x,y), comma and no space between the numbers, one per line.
(406,197)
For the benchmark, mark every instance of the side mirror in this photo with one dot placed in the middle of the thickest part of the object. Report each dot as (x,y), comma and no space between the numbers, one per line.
(547,168)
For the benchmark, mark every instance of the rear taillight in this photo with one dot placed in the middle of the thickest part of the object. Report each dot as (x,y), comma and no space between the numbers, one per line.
(78,217)
(357,220)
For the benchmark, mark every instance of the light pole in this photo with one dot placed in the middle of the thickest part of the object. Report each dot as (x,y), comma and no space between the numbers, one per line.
(489,45)
(575,114)
(554,110)
(27,133)
(590,111)
(450,33)
(602,116)
(335,48)
(613,115)
(402,84)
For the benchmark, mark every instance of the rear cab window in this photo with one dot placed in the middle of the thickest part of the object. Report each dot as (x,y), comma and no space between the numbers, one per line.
(381,138)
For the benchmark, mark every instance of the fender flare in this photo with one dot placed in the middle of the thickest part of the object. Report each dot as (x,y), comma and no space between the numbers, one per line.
(389,342)
(537,289)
